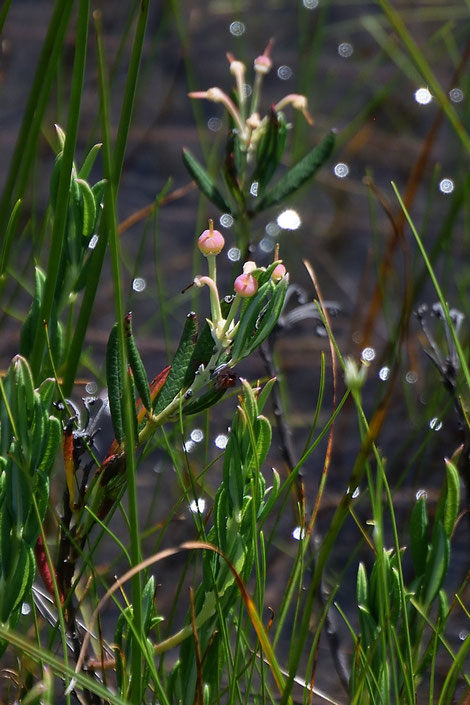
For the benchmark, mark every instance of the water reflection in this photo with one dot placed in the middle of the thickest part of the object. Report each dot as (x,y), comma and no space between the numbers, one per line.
(226,220)
(91,388)
(310,4)
(368,354)
(411,377)
(221,441)
(93,242)
(341,170)
(298,533)
(139,284)
(384,373)
(289,220)
(345,50)
(214,124)
(456,95)
(421,493)
(435,424)
(237,28)
(446,186)
(197,435)
(284,73)
(266,245)
(234,254)
(272,229)
(423,96)
(197,506)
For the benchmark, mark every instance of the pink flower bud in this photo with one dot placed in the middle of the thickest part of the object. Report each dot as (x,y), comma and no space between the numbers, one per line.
(211,241)
(263,64)
(246,285)
(278,272)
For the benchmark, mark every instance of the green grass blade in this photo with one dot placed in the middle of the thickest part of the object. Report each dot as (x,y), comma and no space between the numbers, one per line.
(24,153)
(128,408)
(61,213)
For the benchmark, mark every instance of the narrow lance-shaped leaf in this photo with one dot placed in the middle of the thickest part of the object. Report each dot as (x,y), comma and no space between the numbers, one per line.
(114,382)
(451,506)
(298,175)
(419,536)
(179,365)
(204,181)
(205,401)
(270,317)
(84,172)
(88,209)
(437,563)
(270,149)
(31,322)
(136,364)
(248,318)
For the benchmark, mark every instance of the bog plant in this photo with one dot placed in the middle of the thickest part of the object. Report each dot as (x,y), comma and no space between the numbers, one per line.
(225,648)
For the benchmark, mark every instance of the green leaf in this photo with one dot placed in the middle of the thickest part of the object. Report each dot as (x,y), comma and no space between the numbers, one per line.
(419,536)
(298,175)
(272,493)
(361,585)
(30,325)
(205,401)
(270,317)
(13,590)
(136,364)
(88,207)
(204,181)
(87,166)
(47,389)
(176,377)
(114,382)
(248,318)
(263,435)
(452,499)
(437,564)
(270,150)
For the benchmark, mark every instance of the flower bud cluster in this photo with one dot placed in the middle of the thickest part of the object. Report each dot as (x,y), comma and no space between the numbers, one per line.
(210,244)
(250,126)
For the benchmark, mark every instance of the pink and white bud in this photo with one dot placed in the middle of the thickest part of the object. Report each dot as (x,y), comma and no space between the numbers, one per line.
(254,121)
(211,241)
(299,102)
(245,285)
(249,267)
(263,64)
(278,272)
(237,68)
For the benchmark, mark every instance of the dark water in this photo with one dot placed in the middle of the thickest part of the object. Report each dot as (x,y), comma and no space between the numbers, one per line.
(343,230)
